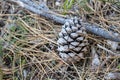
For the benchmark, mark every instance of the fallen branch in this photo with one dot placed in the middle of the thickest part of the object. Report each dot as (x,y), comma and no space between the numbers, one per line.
(40,10)
(44,11)
(102,32)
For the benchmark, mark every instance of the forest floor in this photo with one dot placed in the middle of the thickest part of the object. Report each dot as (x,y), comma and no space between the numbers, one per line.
(28,42)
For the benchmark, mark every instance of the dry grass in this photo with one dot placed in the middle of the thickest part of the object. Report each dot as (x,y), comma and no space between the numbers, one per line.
(28,47)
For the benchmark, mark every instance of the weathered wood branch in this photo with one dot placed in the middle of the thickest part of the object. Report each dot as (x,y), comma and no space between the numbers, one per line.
(44,11)
(40,10)
(102,32)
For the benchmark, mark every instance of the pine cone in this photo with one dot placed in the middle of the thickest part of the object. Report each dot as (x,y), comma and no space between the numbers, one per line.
(72,41)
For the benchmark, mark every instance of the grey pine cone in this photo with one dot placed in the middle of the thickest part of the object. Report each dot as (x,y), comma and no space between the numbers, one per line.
(72,41)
